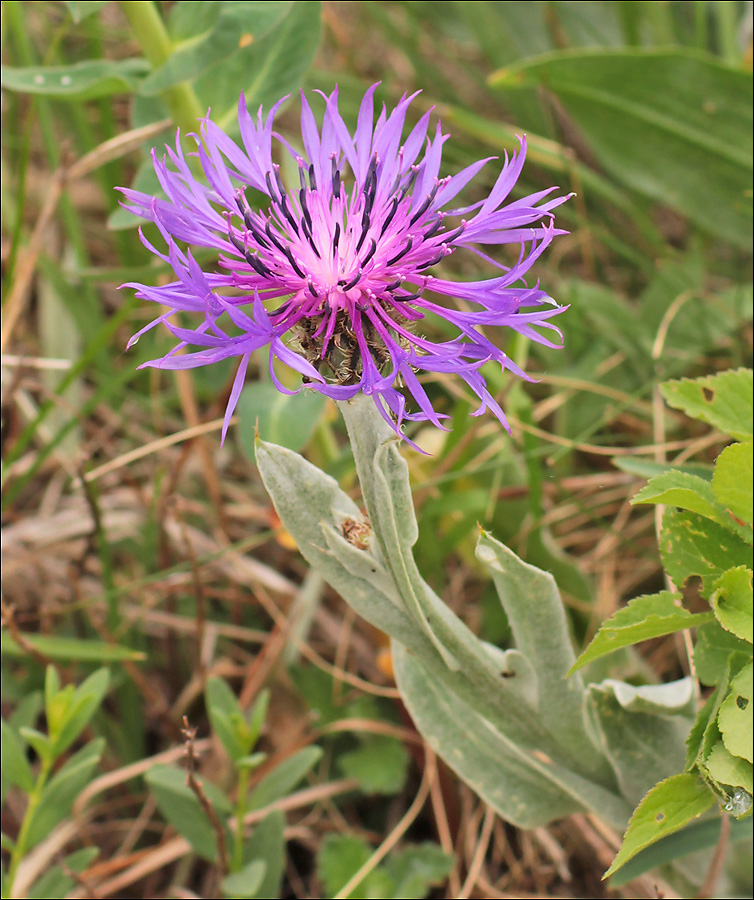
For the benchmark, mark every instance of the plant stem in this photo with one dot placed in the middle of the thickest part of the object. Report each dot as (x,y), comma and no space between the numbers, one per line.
(149,30)
(236,861)
(19,851)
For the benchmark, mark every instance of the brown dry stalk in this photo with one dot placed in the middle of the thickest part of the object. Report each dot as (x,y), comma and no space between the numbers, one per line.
(196,786)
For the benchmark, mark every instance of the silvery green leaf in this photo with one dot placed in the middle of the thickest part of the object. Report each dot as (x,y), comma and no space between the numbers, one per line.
(642,730)
(524,784)
(537,618)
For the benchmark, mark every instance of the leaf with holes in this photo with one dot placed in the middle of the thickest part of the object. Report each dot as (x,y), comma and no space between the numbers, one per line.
(691,545)
(732,602)
(665,809)
(723,400)
(735,716)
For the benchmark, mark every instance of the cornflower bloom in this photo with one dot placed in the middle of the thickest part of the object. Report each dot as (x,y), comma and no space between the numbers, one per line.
(333,276)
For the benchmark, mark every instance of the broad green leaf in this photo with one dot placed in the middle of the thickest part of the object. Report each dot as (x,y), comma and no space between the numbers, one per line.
(691,545)
(264,70)
(735,716)
(63,788)
(282,419)
(237,25)
(714,649)
(726,769)
(267,842)
(694,838)
(16,767)
(58,881)
(692,493)
(82,9)
(732,602)
(180,806)
(645,617)
(673,125)
(87,699)
(284,777)
(69,649)
(80,81)
(732,481)
(380,764)
(723,400)
(247,882)
(665,809)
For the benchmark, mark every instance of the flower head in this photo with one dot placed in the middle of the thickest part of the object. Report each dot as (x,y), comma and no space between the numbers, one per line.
(333,275)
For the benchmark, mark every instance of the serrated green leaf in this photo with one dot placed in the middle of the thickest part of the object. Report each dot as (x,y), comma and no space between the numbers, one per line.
(723,400)
(282,419)
(416,869)
(180,807)
(645,617)
(16,767)
(69,649)
(339,858)
(284,777)
(247,881)
(735,716)
(726,769)
(694,838)
(732,602)
(692,493)
(665,809)
(236,26)
(691,545)
(732,483)
(380,764)
(80,81)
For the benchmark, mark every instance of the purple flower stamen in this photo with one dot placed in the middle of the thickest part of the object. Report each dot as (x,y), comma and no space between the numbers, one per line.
(332,276)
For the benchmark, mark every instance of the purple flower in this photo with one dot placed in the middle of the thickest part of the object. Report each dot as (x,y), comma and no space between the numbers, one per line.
(333,275)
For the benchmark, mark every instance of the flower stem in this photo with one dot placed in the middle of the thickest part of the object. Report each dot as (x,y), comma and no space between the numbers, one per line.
(149,30)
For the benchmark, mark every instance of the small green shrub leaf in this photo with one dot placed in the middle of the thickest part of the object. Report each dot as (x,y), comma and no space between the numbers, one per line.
(732,481)
(691,545)
(666,808)
(645,617)
(735,716)
(732,602)
(723,400)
